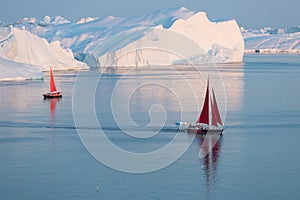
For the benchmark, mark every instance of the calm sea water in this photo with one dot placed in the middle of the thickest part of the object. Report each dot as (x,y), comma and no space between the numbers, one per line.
(42,156)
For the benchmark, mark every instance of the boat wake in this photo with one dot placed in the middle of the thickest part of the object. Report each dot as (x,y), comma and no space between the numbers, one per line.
(9,124)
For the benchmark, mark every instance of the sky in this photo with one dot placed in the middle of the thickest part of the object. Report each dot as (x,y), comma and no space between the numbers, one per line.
(248,13)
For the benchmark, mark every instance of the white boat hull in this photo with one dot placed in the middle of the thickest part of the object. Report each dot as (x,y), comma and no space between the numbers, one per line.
(201,129)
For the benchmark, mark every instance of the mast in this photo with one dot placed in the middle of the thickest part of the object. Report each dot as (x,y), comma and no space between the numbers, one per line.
(52,84)
(204,117)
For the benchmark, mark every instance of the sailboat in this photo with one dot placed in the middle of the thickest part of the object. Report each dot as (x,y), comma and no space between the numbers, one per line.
(53,91)
(204,124)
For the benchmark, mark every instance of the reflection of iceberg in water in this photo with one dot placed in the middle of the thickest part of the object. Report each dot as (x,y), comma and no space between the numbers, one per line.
(179,89)
(210,147)
(233,79)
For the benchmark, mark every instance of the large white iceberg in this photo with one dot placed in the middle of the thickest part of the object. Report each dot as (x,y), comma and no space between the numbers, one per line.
(219,42)
(24,47)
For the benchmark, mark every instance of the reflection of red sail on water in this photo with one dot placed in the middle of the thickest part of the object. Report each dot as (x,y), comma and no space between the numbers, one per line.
(210,146)
(53,104)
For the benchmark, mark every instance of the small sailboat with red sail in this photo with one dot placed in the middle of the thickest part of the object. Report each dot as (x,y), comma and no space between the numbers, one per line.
(53,91)
(205,123)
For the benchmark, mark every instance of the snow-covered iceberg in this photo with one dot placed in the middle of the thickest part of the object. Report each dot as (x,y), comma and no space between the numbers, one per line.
(92,41)
(24,47)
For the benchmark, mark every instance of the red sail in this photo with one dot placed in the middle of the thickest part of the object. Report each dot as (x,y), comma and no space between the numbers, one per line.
(52,84)
(214,121)
(216,118)
(204,117)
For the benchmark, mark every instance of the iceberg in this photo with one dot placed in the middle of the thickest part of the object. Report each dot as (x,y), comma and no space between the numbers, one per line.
(96,41)
(27,20)
(11,71)
(272,40)
(219,42)
(85,20)
(24,47)
(57,20)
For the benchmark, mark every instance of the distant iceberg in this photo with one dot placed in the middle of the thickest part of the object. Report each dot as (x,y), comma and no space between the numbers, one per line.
(272,40)
(47,21)
(85,20)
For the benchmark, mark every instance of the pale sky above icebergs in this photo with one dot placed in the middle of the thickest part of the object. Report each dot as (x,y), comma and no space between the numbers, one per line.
(254,13)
